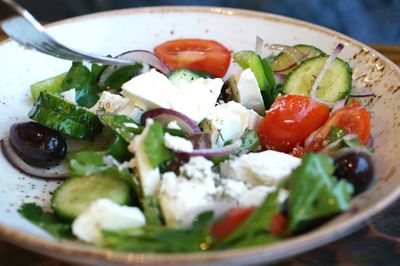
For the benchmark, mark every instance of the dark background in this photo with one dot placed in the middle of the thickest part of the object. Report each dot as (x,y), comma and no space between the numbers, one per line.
(369,21)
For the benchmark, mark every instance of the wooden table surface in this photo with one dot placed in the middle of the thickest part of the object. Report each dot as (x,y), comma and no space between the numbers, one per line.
(11,255)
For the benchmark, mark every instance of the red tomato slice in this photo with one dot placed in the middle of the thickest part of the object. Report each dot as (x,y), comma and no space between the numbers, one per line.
(230,222)
(278,224)
(353,117)
(290,120)
(195,54)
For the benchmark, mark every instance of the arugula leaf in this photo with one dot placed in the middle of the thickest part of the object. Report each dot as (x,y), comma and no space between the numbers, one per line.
(45,220)
(315,192)
(151,210)
(121,75)
(158,239)
(86,163)
(255,225)
(84,82)
(122,125)
(153,145)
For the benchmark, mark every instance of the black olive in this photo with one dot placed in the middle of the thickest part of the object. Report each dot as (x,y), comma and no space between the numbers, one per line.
(356,167)
(37,145)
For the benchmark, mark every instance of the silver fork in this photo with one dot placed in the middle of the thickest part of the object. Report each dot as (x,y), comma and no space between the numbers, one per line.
(21,26)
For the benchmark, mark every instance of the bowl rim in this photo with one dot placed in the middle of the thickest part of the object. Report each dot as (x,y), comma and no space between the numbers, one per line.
(257,254)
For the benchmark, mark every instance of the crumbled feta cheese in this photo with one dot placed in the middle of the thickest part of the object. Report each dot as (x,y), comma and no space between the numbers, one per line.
(173,125)
(182,200)
(256,195)
(131,125)
(153,90)
(229,121)
(198,168)
(105,214)
(149,176)
(69,95)
(177,143)
(109,102)
(194,191)
(263,168)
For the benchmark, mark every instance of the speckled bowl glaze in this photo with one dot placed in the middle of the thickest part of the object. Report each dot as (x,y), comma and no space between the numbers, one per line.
(118,31)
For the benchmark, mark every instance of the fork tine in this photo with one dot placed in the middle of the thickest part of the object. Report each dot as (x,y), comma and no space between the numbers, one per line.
(21,26)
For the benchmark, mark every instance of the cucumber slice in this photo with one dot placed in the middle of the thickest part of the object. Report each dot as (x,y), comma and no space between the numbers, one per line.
(56,113)
(51,85)
(185,74)
(335,84)
(283,61)
(77,193)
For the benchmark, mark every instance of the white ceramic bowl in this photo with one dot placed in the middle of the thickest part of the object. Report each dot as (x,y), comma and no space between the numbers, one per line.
(118,31)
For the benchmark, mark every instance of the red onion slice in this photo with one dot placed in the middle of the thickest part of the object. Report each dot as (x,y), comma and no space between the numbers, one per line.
(286,69)
(338,105)
(296,54)
(329,61)
(136,56)
(259,45)
(363,95)
(43,173)
(200,140)
(164,116)
(280,78)
(222,151)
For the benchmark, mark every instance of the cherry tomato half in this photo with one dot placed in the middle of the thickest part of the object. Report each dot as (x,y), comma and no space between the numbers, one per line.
(278,224)
(353,117)
(290,120)
(207,56)
(230,222)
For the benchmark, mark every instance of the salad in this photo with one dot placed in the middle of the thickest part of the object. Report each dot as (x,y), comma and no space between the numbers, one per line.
(195,148)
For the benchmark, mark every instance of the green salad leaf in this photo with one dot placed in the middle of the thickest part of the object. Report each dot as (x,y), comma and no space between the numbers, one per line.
(250,142)
(119,149)
(121,75)
(315,192)
(45,220)
(158,239)
(153,145)
(151,210)
(254,227)
(84,81)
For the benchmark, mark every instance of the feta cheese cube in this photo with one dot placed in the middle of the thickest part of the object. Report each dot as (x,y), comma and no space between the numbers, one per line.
(109,102)
(182,200)
(105,214)
(244,89)
(153,90)
(177,143)
(229,121)
(264,168)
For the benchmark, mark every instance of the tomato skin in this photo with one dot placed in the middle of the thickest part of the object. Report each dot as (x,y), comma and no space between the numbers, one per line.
(353,117)
(232,220)
(278,224)
(207,56)
(290,120)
